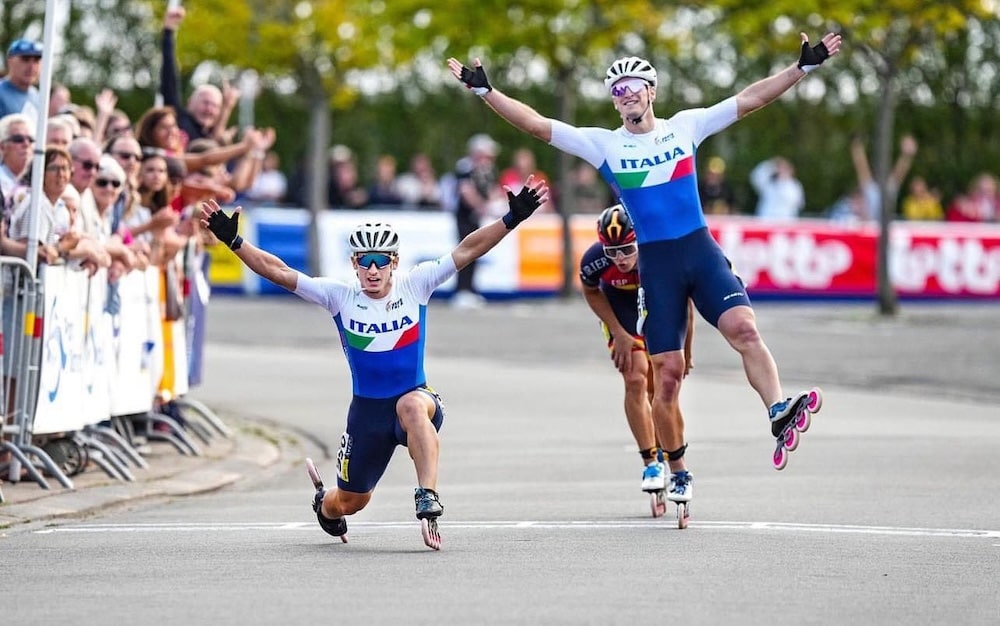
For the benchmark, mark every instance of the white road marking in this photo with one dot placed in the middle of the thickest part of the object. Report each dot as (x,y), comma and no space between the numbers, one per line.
(965,533)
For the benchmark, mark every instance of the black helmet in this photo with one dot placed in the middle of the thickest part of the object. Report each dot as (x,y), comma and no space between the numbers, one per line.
(614,228)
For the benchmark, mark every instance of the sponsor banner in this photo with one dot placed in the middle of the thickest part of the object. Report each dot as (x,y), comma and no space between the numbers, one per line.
(809,258)
(134,343)
(815,258)
(74,372)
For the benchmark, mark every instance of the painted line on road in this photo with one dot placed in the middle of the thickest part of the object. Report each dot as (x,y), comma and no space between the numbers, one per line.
(666,522)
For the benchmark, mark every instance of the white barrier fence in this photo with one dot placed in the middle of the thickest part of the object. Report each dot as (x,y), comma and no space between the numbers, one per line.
(95,365)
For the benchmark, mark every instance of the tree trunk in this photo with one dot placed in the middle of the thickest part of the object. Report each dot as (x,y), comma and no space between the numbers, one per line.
(566,105)
(887,301)
(316,164)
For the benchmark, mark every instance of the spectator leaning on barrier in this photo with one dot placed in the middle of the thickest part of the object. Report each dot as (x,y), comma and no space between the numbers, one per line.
(18,93)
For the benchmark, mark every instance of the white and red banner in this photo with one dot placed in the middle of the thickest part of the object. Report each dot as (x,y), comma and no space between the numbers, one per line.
(804,258)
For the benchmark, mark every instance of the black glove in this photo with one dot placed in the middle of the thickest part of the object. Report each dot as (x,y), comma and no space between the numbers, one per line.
(225,228)
(521,207)
(476,80)
(811,58)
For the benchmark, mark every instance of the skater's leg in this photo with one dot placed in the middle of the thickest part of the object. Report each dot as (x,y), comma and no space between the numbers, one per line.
(739,326)
(338,503)
(638,412)
(668,371)
(416,411)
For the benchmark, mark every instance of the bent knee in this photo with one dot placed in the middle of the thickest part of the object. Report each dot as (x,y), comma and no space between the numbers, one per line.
(349,502)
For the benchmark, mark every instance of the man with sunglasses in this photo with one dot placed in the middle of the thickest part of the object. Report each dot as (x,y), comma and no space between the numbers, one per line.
(609,274)
(17,140)
(380,319)
(649,163)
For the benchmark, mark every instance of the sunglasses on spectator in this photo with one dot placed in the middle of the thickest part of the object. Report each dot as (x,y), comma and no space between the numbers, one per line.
(104,182)
(635,85)
(127,156)
(87,164)
(380,259)
(57,168)
(626,250)
(20,139)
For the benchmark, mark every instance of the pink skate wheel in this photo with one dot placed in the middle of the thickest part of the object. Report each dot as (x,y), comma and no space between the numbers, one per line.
(780,458)
(815,400)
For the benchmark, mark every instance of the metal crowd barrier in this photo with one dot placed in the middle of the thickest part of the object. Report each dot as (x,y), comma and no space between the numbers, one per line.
(84,381)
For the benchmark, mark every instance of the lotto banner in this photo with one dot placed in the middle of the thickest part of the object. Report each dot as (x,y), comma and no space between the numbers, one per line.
(814,258)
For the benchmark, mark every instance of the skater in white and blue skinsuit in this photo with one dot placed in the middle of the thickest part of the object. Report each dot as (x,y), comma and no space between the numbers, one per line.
(381,320)
(650,163)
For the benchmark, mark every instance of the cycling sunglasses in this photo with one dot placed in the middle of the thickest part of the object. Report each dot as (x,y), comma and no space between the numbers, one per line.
(628,249)
(380,259)
(635,85)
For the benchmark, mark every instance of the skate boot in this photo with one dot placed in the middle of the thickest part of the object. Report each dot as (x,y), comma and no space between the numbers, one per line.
(654,477)
(680,493)
(428,510)
(789,419)
(336,527)
(654,482)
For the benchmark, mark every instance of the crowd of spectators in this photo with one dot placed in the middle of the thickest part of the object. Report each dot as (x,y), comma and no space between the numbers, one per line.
(780,195)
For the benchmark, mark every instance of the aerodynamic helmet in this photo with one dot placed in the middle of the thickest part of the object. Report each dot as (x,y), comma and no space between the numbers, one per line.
(614,228)
(630,67)
(376,237)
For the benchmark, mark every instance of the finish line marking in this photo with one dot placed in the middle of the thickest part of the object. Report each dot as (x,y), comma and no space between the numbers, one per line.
(533,525)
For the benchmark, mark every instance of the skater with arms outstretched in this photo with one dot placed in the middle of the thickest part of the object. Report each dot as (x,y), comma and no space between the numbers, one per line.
(650,164)
(379,317)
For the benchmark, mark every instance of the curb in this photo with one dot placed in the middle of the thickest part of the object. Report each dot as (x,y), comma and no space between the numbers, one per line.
(257,447)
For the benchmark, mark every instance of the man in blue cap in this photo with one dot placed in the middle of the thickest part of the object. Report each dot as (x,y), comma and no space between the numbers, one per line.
(18,93)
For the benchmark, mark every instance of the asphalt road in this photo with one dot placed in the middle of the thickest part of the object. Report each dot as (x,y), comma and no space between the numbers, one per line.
(885,515)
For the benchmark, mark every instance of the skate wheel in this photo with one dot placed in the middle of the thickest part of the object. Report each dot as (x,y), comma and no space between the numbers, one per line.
(815,400)
(429,530)
(313,474)
(791,439)
(780,458)
(682,515)
(803,421)
(657,505)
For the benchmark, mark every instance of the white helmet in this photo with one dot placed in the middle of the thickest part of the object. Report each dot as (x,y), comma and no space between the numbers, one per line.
(377,237)
(630,67)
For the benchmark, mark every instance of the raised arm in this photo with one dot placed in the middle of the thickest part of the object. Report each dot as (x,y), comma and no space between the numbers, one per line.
(170,84)
(263,263)
(767,90)
(517,113)
(482,240)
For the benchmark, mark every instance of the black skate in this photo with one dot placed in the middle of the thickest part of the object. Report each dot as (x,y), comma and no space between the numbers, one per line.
(336,527)
(791,418)
(428,510)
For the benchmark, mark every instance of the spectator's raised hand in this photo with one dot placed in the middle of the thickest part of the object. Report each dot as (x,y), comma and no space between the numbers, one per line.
(106,101)
(908,145)
(173,17)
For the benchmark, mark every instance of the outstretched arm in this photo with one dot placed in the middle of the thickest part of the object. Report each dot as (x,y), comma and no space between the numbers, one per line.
(767,90)
(263,263)
(517,113)
(482,240)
